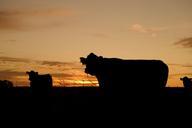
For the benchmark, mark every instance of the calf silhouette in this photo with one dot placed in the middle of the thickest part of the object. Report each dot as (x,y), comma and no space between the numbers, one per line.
(118,76)
(40,84)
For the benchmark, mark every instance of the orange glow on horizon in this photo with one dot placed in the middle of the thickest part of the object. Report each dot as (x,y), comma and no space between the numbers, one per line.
(77,77)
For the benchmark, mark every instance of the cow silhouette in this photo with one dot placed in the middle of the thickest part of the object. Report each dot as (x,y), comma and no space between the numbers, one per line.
(5,87)
(187,82)
(6,84)
(40,84)
(118,76)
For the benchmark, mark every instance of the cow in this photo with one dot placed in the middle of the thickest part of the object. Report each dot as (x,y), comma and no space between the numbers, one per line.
(40,83)
(120,76)
(6,84)
(5,87)
(187,82)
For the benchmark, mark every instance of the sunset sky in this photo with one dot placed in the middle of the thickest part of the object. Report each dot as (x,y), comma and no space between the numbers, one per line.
(49,36)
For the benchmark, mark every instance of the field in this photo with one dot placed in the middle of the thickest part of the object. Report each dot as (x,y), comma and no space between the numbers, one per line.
(60,100)
(80,91)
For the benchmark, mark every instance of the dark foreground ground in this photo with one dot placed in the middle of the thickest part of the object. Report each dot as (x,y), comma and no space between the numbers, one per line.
(83,92)
(77,100)
(82,106)
(64,92)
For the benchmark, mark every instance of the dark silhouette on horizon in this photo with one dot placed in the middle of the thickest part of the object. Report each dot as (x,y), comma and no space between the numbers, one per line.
(115,76)
(6,84)
(40,84)
(5,87)
(118,76)
(123,83)
(187,82)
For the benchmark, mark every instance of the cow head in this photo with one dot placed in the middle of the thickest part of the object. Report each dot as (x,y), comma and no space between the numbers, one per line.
(92,63)
(184,78)
(32,75)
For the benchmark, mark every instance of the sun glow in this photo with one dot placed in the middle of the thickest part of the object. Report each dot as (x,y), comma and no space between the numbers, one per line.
(74,82)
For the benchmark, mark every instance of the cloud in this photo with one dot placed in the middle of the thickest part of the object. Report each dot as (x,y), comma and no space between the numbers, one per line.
(10,73)
(181,65)
(185,42)
(37,12)
(67,65)
(55,63)
(189,66)
(72,73)
(7,22)
(180,74)
(20,19)
(62,66)
(147,30)
(12,59)
(17,77)
(62,75)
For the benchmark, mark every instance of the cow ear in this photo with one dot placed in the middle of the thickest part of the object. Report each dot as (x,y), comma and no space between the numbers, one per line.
(83,60)
(92,56)
(100,57)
